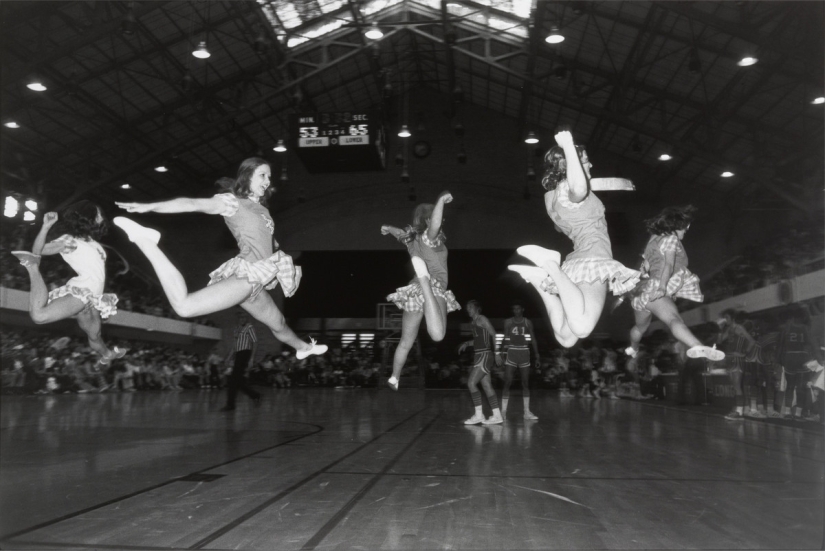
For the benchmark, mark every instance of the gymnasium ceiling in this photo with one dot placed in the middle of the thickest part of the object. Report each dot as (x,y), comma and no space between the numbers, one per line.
(637,78)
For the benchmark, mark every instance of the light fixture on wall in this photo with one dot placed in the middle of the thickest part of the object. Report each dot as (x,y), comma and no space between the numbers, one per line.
(279,146)
(404,132)
(405,175)
(531,138)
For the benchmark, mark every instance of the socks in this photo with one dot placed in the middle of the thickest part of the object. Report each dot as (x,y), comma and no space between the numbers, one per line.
(526,400)
(493,401)
(476,396)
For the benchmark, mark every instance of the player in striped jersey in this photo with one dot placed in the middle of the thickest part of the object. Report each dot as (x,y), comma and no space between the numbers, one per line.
(486,351)
(516,330)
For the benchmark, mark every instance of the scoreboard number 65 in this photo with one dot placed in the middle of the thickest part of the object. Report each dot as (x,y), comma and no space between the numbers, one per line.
(358,130)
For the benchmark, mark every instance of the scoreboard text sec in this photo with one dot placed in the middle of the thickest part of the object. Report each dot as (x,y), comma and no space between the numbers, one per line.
(343,141)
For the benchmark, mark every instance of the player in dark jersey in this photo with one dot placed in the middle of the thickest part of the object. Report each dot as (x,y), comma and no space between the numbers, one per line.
(516,330)
(795,348)
(486,351)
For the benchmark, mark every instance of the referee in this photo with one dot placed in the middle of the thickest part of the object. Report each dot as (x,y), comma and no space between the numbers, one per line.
(246,344)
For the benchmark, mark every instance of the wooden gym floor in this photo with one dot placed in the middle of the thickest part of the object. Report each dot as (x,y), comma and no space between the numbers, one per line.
(373,469)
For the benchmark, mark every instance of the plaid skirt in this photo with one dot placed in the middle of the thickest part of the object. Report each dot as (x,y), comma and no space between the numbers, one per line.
(105,303)
(411,298)
(682,284)
(620,279)
(263,274)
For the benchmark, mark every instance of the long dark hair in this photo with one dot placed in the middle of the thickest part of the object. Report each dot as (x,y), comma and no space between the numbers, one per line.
(239,185)
(554,172)
(80,220)
(421,214)
(670,220)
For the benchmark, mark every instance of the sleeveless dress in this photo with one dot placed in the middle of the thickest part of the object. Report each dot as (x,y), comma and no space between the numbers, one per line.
(410,298)
(88,259)
(592,258)
(252,227)
(682,283)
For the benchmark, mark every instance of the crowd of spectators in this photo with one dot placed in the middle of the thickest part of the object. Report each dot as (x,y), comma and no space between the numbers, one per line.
(35,362)
(791,253)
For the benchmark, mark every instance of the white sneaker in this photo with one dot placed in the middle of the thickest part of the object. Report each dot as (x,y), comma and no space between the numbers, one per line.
(391,384)
(531,274)
(420,267)
(529,416)
(493,420)
(706,352)
(476,419)
(135,232)
(316,349)
(539,255)
(630,351)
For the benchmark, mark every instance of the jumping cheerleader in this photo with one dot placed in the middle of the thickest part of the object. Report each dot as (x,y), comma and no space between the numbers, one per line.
(241,280)
(581,283)
(426,296)
(82,296)
(666,263)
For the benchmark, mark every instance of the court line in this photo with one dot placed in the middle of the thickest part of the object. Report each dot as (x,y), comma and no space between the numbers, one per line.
(586,478)
(5,537)
(285,492)
(330,525)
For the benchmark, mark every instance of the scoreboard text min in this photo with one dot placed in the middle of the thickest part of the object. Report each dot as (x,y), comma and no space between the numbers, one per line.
(344,141)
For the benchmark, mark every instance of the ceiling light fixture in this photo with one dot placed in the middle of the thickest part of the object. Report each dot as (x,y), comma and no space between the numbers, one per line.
(694,64)
(11,124)
(374,33)
(125,186)
(161,168)
(201,52)
(279,146)
(129,23)
(747,61)
(555,36)
(36,84)
(818,101)
(727,174)
(404,132)
(531,138)
(665,157)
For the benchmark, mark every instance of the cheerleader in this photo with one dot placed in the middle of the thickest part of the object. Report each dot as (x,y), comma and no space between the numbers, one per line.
(574,292)
(666,264)
(241,280)
(426,296)
(82,297)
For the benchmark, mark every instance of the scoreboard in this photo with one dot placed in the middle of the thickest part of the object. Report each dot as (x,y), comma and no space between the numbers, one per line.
(339,142)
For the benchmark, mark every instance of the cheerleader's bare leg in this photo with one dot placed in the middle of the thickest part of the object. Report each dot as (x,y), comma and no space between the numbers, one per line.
(410,322)
(638,331)
(558,321)
(40,310)
(89,322)
(220,296)
(666,311)
(582,302)
(435,308)
(264,309)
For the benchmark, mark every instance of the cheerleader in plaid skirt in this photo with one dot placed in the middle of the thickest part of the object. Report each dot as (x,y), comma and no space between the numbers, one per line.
(666,266)
(426,297)
(82,297)
(241,280)
(574,292)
